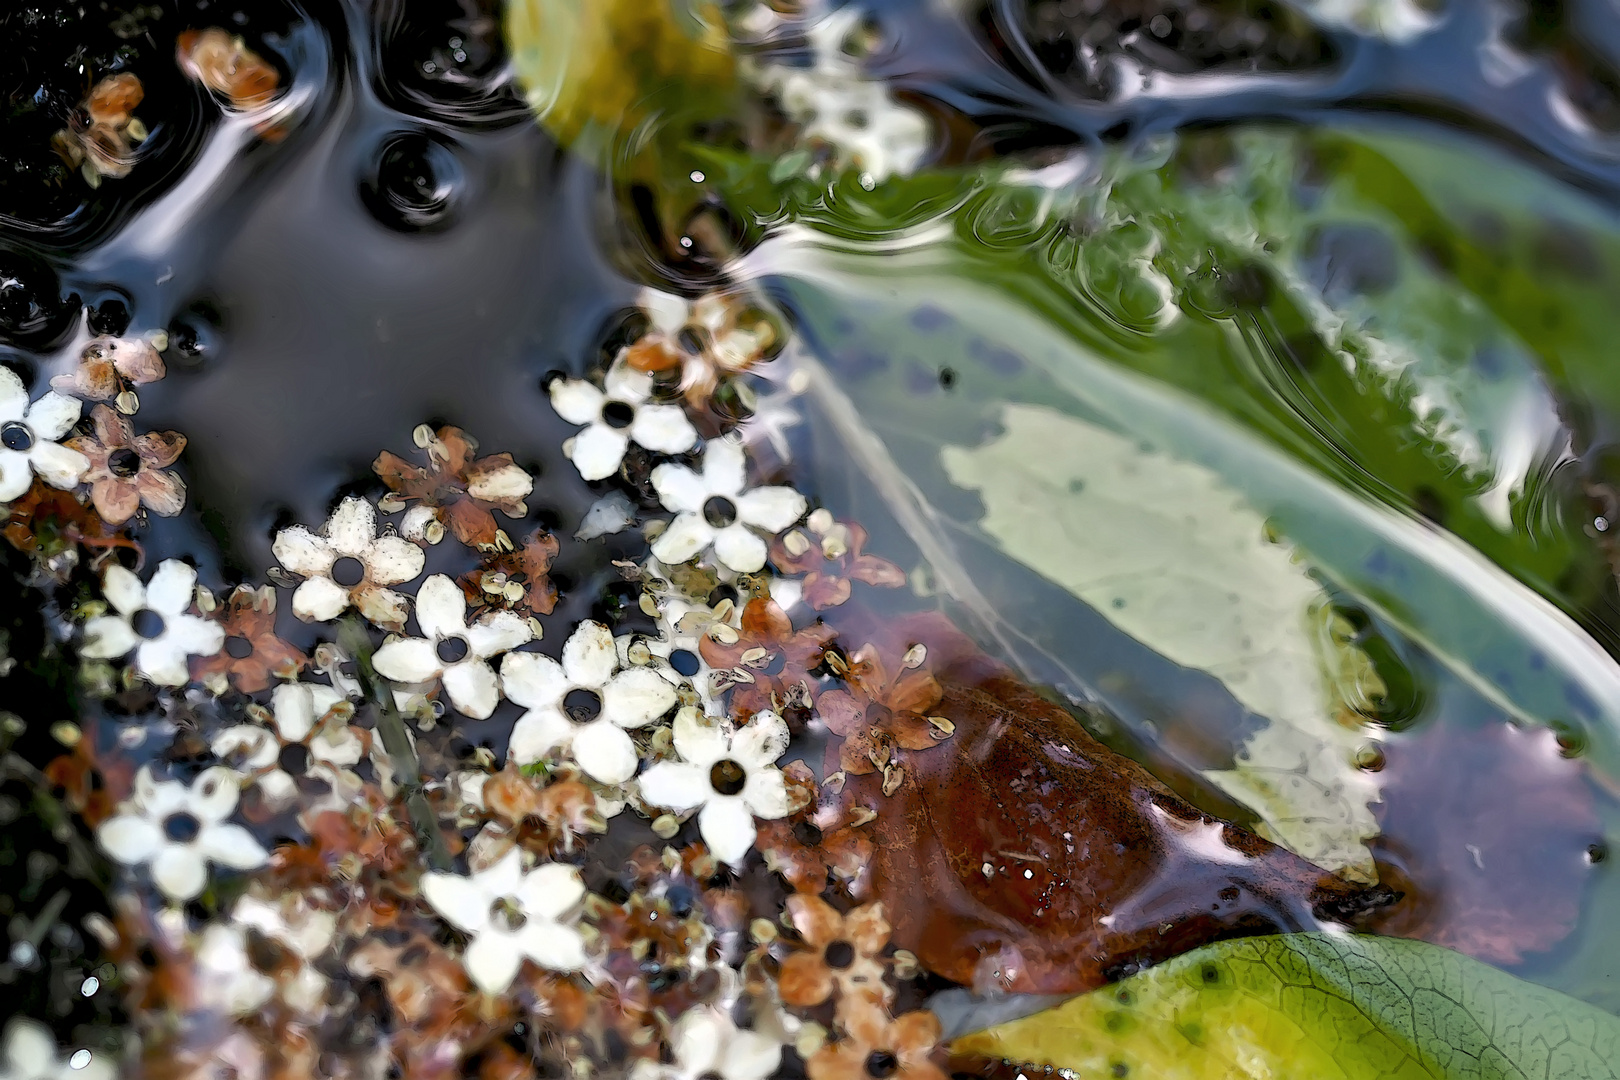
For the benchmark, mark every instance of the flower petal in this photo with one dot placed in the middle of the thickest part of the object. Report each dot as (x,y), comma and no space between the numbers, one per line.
(352,527)
(123,590)
(130,838)
(724,467)
(232,846)
(740,548)
(52,415)
(766,793)
(319,599)
(698,738)
(557,948)
(497,632)
(533,680)
(245,746)
(381,607)
(504,877)
(212,796)
(409,660)
(771,508)
(393,560)
(605,752)
(727,827)
(597,451)
(194,635)
(637,697)
(576,400)
(499,480)
(162,661)
(180,872)
(301,552)
(663,428)
(16,473)
(667,312)
(13,396)
(588,656)
(492,962)
(169,590)
(750,1056)
(441,608)
(758,743)
(804,978)
(57,465)
(457,899)
(473,688)
(107,637)
(551,890)
(697,1040)
(30,1051)
(677,786)
(686,536)
(680,489)
(293,707)
(537,733)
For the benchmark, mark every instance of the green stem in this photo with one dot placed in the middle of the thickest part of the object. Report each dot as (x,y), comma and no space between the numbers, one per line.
(356,642)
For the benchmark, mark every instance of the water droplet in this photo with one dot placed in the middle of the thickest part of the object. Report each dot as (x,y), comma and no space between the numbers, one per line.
(80,1059)
(89,987)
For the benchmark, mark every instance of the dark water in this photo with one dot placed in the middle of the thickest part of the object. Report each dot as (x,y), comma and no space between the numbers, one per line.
(415,249)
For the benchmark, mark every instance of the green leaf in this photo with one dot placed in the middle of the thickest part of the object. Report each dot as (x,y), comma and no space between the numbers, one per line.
(1317,1006)
(1167,552)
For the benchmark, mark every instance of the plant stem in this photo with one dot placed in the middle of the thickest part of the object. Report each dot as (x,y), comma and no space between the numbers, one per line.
(356,642)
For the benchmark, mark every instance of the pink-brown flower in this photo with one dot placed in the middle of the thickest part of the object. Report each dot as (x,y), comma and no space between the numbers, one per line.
(455,490)
(875,1047)
(109,365)
(129,471)
(843,952)
(883,712)
(518,580)
(829,554)
(252,652)
(768,665)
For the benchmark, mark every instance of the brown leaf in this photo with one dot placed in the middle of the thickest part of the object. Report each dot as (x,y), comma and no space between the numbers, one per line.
(1490,831)
(1022,853)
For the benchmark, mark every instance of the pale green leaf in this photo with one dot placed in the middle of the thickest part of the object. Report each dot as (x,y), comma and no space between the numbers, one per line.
(1174,557)
(1316,1007)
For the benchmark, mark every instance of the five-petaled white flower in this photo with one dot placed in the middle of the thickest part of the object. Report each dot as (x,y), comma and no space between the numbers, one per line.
(151,619)
(712,507)
(30,1053)
(180,830)
(451,650)
(348,563)
(312,738)
(733,777)
(28,435)
(584,703)
(510,915)
(705,1042)
(616,416)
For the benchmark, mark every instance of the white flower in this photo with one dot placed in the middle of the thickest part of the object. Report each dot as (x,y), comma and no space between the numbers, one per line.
(451,650)
(28,435)
(306,931)
(706,1043)
(346,563)
(837,103)
(614,417)
(712,508)
(30,1054)
(151,619)
(311,738)
(181,830)
(584,703)
(511,915)
(225,979)
(734,778)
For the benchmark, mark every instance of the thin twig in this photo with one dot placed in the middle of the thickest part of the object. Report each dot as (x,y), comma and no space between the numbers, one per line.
(391,726)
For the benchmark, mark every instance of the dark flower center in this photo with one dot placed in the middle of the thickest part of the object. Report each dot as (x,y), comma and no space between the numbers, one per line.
(452,650)
(182,828)
(293,759)
(16,436)
(617,414)
(727,777)
(807,833)
(147,623)
(881,1064)
(505,914)
(582,706)
(684,661)
(719,511)
(348,572)
(839,955)
(238,647)
(123,463)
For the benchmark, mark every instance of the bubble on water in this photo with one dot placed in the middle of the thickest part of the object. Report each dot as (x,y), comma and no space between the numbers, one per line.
(416,183)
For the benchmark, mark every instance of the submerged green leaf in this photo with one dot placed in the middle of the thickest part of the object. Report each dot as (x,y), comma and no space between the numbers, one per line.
(1317,1006)
(1167,552)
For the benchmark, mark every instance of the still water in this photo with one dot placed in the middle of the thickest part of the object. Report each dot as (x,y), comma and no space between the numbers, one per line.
(584,532)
